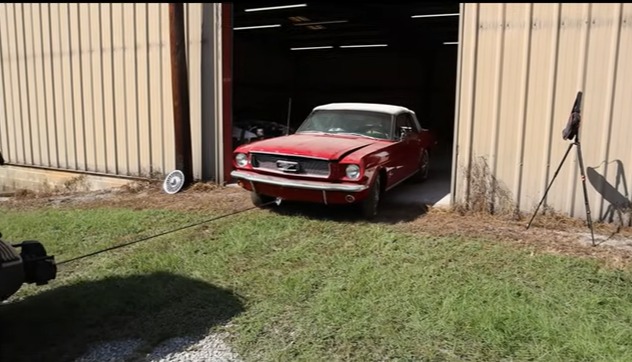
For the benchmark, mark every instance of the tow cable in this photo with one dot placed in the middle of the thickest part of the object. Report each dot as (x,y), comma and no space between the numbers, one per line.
(276,201)
(32,265)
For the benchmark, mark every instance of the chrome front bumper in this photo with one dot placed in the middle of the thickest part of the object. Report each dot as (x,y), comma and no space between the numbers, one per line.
(299,184)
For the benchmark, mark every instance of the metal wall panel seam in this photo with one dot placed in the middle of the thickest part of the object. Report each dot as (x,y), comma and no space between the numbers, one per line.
(29,90)
(63,88)
(106,165)
(523,106)
(104,79)
(127,96)
(498,99)
(162,92)
(19,83)
(64,92)
(113,94)
(11,74)
(72,88)
(84,139)
(29,119)
(7,150)
(93,115)
(149,118)
(37,88)
(472,94)
(612,72)
(137,96)
(123,125)
(582,70)
(53,87)
(93,118)
(553,92)
(98,86)
(454,174)
(44,83)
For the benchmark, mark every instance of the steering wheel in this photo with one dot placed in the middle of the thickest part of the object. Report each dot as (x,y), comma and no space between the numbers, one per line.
(373,130)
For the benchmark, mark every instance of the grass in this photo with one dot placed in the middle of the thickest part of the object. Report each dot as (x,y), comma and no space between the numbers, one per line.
(299,289)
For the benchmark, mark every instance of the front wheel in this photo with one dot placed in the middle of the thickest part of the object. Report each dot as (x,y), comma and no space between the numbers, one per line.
(424,167)
(369,206)
(260,200)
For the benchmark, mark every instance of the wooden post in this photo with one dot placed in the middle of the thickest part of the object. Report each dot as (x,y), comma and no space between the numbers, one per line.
(180,90)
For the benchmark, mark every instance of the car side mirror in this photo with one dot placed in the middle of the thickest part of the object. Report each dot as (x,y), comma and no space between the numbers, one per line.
(404,131)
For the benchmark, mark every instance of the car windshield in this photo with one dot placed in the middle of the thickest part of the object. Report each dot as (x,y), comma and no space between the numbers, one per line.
(361,123)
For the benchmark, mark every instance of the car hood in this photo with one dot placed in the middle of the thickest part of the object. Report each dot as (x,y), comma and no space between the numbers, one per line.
(331,147)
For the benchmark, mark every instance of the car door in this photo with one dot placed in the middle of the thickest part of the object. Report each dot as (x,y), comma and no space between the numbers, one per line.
(426,137)
(405,149)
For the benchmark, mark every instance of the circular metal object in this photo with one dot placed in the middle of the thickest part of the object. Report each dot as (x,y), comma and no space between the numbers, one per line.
(173,182)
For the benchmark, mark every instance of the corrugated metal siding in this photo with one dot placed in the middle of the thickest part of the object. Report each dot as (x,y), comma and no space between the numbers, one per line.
(87,87)
(520,68)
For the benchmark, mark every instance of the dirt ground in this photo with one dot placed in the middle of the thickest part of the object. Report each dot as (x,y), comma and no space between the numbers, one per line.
(548,233)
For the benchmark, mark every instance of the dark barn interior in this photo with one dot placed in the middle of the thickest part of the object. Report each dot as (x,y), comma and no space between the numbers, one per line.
(407,61)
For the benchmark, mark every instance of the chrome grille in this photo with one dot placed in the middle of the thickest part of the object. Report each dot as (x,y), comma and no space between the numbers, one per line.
(291,164)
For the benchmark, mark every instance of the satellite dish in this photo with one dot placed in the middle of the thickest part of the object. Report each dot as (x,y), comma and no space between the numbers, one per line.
(173,182)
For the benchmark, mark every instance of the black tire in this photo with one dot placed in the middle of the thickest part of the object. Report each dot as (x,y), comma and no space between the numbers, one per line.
(260,200)
(369,206)
(424,167)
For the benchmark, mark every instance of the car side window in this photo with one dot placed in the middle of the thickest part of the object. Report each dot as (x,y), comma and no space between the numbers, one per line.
(405,120)
(418,124)
(401,121)
(412,123)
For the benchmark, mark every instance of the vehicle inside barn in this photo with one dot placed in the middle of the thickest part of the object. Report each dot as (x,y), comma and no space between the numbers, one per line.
(289,58)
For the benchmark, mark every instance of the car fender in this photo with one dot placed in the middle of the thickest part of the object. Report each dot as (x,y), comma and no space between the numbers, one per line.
(373,160)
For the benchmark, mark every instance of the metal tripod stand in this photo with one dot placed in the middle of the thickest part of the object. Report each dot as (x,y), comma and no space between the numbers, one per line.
(573,125)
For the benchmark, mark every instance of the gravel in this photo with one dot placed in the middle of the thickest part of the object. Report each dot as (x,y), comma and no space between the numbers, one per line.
(113,351)
(210,348)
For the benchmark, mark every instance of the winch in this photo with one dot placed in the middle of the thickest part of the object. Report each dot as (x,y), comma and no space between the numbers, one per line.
(30,265)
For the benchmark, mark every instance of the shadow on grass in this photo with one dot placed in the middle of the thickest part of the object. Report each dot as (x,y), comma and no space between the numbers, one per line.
(62,323)
(389,212)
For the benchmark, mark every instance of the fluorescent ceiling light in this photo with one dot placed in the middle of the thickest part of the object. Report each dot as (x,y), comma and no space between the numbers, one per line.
(364,46)
(276,7)
(258,27)
(322,22)
(434,15)
(450,42)
(309,48)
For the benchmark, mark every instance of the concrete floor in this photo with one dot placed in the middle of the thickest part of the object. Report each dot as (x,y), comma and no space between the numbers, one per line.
(435,191)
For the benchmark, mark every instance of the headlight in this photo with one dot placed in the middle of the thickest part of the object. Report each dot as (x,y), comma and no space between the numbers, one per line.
(241,159)
(353,171)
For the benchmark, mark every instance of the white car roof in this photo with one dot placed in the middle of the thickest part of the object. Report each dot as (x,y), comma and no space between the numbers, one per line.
(371,107)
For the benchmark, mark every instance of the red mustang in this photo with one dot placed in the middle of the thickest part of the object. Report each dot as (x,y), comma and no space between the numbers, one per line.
(343,153)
